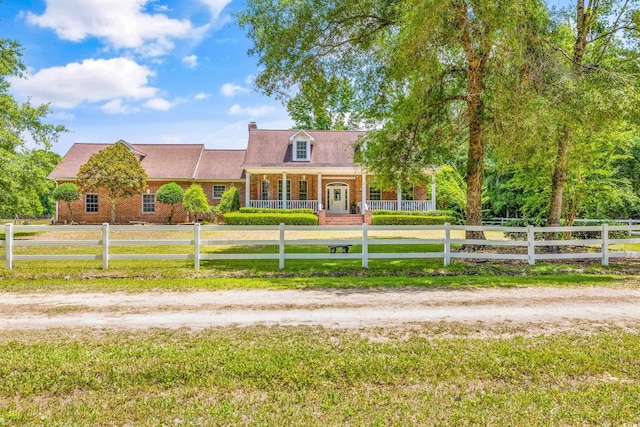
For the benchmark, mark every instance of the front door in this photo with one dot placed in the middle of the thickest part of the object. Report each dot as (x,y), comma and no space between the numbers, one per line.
(338,197)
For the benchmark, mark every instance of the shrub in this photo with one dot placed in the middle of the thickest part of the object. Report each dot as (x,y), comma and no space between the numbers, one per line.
(239,218)
(414,213)
(195,201)
(67,192)
(411,220)
(281,211)
(230,201)
(170,194)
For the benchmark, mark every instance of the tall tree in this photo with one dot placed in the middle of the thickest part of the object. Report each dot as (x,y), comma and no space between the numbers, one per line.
(25,141)
(116,170)
(601,76)
(420,70)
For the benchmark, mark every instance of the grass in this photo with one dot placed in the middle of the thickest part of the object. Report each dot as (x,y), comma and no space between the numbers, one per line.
(304,376)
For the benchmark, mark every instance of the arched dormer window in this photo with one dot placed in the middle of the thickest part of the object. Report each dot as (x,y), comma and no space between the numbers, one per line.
(301,146)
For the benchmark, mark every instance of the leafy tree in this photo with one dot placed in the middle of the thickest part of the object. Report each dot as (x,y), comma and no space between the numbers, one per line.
(170,194)
(195,201)
(67,192)
(421,71)
(116,170)
(23,167)
(230,201)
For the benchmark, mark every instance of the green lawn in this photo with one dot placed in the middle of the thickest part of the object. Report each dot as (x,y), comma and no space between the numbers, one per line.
(430,375)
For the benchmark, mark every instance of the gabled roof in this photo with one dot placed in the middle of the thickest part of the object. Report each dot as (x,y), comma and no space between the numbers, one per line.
(160,161)
(221,164)
(273,148)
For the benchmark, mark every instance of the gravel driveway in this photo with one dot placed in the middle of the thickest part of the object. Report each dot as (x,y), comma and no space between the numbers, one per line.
(331,308)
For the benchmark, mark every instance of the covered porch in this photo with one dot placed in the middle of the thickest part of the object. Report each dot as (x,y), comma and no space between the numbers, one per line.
(334,191)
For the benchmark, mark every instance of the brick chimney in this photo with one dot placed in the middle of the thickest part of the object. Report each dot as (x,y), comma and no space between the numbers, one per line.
(253,126)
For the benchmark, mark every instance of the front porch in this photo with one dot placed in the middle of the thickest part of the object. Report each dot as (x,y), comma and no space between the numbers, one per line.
(387,205)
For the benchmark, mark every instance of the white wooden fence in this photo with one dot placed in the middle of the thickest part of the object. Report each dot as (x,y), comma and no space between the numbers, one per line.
(583,248)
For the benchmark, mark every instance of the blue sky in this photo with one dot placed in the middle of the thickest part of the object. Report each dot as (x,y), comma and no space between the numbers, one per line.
(146,71)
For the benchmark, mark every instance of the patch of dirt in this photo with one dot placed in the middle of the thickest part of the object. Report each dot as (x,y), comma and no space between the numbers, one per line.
(485,312)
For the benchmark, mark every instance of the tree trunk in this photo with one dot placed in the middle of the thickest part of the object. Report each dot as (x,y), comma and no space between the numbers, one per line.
(475,156)
(558,183)
(113,211)
(70,213)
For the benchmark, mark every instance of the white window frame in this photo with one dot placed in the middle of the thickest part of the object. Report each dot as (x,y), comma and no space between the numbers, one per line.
(148,204)
(288,189)
(265,189)
(307,150)
(304,193)
(213,191)
(92,203)
(373,191)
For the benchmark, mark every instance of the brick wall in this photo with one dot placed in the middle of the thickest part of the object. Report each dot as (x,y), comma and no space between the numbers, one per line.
(130,209)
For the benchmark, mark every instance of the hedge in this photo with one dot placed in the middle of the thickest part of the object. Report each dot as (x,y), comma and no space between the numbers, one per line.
(413,213)
(411,220)
(275,211)
(239,218)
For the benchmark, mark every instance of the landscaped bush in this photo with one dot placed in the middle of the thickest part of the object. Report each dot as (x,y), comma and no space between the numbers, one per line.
(240,218)
(275,211)
(414,213)
(411,220)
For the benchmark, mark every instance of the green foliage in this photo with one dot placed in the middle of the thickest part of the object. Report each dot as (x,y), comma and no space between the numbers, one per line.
(285,211)
(230,201)
(414,213)
(170,194)
(116,170)
(411,220)
(195,201)
(451,190)
(67,192)
(237,218)
(24,188)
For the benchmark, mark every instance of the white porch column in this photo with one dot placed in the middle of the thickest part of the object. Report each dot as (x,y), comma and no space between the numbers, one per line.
(399,196)
(363,205)
(284,190)
(247,190)
(433,189)
(319,191)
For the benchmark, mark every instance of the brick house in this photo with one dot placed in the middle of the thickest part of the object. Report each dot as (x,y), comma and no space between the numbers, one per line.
(279,169)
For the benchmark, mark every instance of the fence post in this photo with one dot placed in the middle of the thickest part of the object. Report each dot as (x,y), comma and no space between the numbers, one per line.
(531,248)
(8,244)
(105,246)
(605,244)
(447,244)
(196,246)
(365,246)
(281,251)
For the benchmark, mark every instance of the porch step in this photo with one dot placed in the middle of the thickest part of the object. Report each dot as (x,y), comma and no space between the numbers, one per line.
(344,219)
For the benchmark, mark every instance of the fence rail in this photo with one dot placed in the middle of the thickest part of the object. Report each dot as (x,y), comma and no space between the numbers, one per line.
(529,244)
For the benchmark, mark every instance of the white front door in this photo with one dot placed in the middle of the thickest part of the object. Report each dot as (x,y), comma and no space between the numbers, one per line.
(338,198)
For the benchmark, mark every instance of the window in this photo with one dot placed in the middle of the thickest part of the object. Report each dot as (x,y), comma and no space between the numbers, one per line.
(375,193)
(303,191)
(218,190)
(148,203)
(265,189)
(280,189)
(301,150)
(91,203)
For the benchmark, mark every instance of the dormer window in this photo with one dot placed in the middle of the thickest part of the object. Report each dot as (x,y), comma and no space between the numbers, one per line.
(301,146)
(301,151)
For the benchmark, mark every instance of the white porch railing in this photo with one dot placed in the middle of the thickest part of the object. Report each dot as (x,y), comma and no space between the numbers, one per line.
(405,205)
(291,204)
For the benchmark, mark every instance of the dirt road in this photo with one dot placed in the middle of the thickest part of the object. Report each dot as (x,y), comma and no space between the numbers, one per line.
(546,307)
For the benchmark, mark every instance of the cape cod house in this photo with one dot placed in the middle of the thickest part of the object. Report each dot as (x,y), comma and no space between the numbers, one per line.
(284,169)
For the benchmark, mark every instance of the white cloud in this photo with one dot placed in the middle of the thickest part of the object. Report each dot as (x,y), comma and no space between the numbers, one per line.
(92,80)
(63,115)
(256,111)
(158,104)
(215,7)
(250,79)
(190,61)
(201,96)
(115,106)
(229,89)
(121,24)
